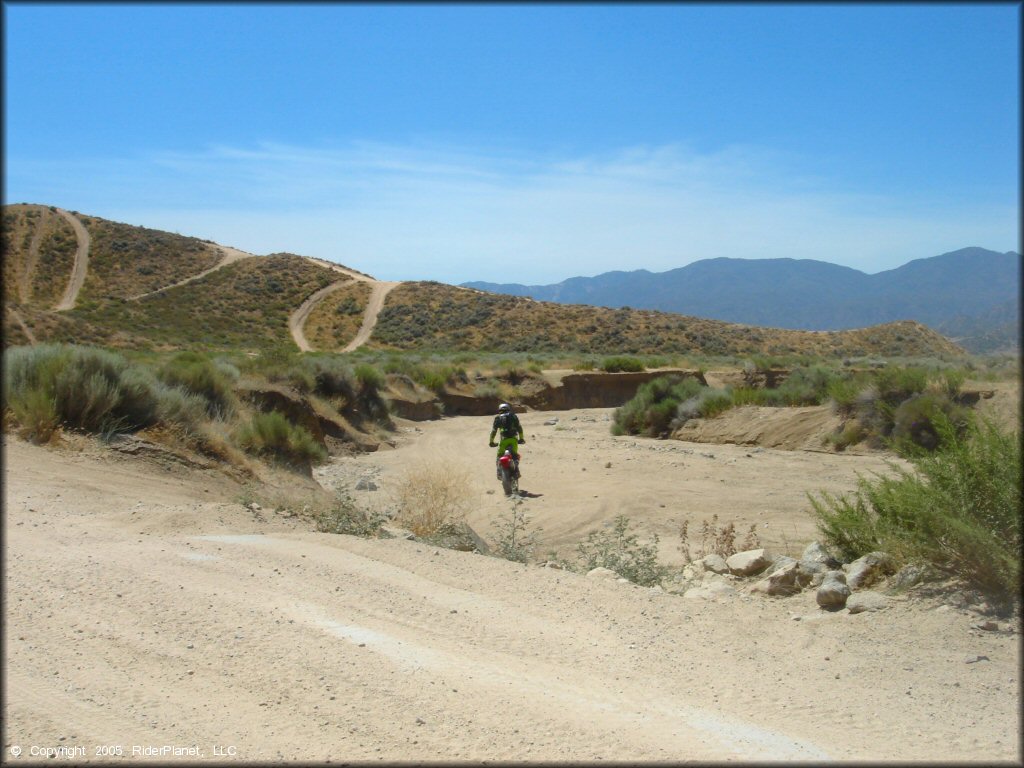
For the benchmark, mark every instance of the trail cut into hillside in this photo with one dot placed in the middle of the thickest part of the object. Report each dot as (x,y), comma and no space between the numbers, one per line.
(230,256)
(298,319)
(373,308)
(81,268)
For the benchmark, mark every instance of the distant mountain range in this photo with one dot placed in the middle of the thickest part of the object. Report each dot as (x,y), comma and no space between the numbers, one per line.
(971,295)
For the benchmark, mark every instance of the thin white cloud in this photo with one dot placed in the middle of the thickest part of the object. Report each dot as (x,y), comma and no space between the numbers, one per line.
(427,212)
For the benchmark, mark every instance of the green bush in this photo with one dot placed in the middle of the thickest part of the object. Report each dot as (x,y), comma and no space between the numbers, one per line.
(806,386)
(345,517)
(915,421)
(272,435)
(713,403)
(198,375)
(619,550)
(620,363)
(959,509)
(894,384)
(80,388)
(653,408)
(370,378)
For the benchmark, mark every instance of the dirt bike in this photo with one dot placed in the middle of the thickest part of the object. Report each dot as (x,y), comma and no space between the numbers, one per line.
(508,466)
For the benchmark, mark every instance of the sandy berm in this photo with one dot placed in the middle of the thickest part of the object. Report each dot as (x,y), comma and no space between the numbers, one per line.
(145,605)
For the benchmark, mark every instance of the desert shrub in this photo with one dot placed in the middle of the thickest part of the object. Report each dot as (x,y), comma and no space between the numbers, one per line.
(806,386)
(271,435)
(713,403)
(584,365)
(849,434)
(652,410)
(81,388)
(514,540)
(198,375)
(344,516)
(621,363)
(332,378)
(620,550)
(178,407)
(959,509)
(844,392)
(369,377)
(432,498)
(894,384)
(915,421)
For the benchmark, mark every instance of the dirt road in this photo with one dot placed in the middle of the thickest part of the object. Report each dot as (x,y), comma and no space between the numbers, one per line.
(145,606)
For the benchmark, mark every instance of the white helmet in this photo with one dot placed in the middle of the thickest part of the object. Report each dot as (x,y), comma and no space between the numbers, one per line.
(504,408)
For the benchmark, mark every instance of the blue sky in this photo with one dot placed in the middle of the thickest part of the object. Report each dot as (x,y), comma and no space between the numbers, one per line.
(526,143)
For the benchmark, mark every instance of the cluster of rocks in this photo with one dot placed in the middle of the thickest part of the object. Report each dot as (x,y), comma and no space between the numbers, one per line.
(837,585)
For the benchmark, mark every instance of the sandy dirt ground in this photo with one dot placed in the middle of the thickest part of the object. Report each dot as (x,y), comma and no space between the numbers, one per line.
(146,608)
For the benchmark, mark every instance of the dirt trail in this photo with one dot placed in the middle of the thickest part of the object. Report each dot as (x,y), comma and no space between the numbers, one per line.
(380,290)
(24,326)
(25,279)
(373,308)
(81,268)
(297,321)
(231,255)
(147,606)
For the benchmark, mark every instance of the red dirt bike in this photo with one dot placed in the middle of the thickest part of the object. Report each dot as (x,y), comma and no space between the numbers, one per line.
(508,465)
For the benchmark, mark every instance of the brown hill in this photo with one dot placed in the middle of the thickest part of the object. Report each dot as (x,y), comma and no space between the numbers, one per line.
(132,295)
(436,316)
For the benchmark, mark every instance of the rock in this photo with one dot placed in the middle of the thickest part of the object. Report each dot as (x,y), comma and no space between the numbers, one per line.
(253,506)
(778,563)
(699,593)
(460,537)
(833,592)
(551,422)
(974,659)
(748,563)
(865,571)
(602,573)
(718,588)
(986,626)
(366,484)
(781,582)
(913,574)
(715,563)
(859,602)
(394,532)
(816,552)
(692,571)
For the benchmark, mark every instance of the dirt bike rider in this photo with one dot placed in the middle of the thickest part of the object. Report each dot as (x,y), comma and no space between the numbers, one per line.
(508,423)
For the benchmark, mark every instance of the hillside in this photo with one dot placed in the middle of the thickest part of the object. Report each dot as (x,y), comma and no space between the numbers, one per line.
(133,287)
(436,316)
(957,292)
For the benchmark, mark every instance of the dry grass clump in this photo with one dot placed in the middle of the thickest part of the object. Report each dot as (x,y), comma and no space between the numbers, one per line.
(715,539)
(433,498)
